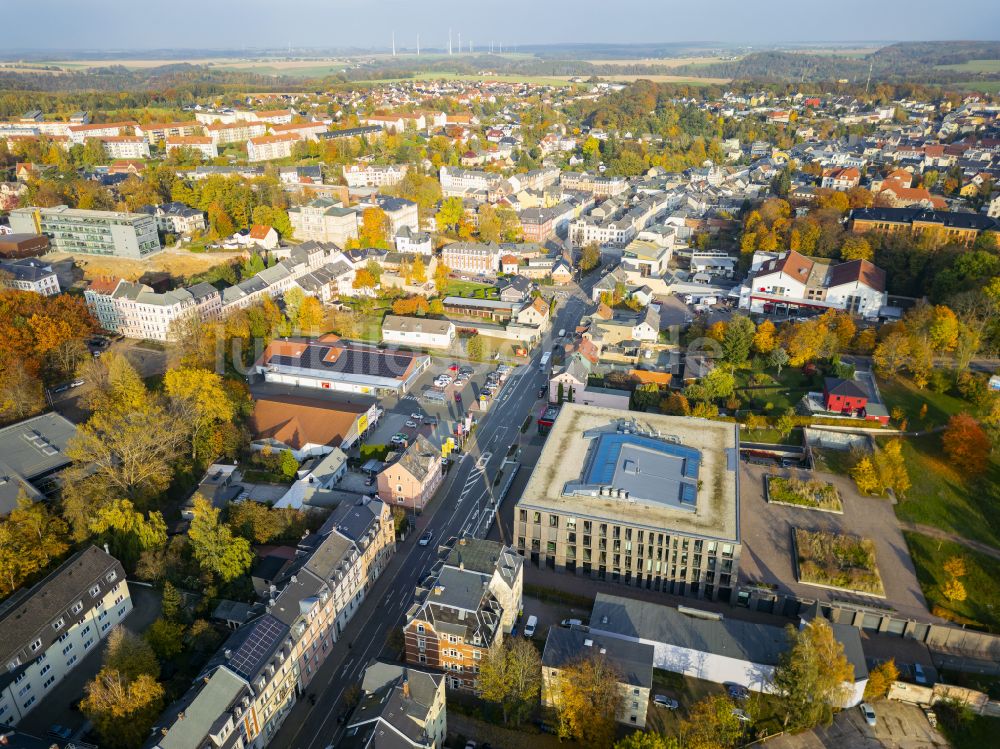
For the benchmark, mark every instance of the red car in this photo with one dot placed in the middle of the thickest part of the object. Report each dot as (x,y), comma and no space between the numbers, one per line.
(453,368)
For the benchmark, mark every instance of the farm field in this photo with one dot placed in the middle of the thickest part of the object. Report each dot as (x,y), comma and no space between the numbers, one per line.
(658,79)
(178,263)
(663,62)
(974,66)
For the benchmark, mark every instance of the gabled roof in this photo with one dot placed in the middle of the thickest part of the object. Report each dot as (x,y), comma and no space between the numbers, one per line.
(297,420)
(796,265)
(846,388)
(861,271)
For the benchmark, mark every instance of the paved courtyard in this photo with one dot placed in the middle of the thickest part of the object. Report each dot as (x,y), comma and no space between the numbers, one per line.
(897,726)
(767,541)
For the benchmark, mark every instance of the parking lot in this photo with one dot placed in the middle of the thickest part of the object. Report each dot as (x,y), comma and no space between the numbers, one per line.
(434,407)
(897,726)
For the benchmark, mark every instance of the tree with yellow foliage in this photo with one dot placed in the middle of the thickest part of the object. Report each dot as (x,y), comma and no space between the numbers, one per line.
(766,338)
(587,700)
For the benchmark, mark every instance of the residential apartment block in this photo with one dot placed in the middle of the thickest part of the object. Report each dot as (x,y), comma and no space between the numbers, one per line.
(457,614)
(412,478)
(125,147)
(235,132)
(176,218)
(50,627)
(651,502)
(401,702)
(202,144)
(73,230)
(158,133)
(246,691)
(324,220)
(29,274)
(269,147)
(372,175)
(961,228)
(472,257)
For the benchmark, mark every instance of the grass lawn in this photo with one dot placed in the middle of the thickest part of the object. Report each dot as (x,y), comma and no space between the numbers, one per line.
(772,436)
(837,560)
(974,66)
(457,287)
(834,461)
(940,406)
(988,87)
(945,498)
(782,392)
(964,729)
(982,606)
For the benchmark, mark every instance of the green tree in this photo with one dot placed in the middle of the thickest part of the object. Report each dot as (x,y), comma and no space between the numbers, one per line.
(785,423)
(214,546)
(475,348)
(165,638)
(590,256)
(450,214)
(811,676)
(738,339)
(288,464)
(171,600)
(511,676)
(645,396)
(127,531)
(647,740)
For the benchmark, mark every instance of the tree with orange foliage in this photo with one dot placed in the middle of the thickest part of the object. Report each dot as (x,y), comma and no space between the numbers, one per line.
(965,442)
(374,228)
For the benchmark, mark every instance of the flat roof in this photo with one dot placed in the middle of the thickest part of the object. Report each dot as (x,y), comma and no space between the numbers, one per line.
(650,456)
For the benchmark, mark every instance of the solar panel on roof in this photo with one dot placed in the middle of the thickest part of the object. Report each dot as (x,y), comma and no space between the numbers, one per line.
(258,646)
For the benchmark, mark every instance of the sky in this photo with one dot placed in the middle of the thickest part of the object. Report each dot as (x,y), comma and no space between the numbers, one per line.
(250,24)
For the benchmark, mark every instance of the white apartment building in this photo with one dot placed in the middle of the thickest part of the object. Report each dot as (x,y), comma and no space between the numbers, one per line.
(203,144)
(235,132)
(99,297)
(160,132)
(79,133)
(304,130)
(269,147)
(125,146)
(29,274)
(457,182)
(371,175)
(49,628)
(472,257)
(324,220)
(176,218)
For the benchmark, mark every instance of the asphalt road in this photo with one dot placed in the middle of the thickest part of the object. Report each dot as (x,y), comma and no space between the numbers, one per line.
(458,508)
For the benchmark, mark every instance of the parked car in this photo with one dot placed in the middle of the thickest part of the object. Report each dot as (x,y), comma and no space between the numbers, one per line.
(57,731)
(571,623)
(868,712)
(61,388)
(470,745)
(453,367)
(661,700)
(426,538)
(77,383)
(529,626)
(740,715)
(736,691)
(411,424)
(919,675)
(416,416)
(541,392)
(370,481)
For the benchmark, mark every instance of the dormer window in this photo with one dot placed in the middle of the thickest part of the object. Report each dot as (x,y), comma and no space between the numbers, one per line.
(111,576)
(36,644)
(77,607)
(58,624)
(95,591)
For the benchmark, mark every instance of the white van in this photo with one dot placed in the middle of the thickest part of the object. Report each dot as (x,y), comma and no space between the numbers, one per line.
(529,627)
(562,332)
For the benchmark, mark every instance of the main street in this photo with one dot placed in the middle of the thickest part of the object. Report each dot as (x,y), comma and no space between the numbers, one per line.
(457,509)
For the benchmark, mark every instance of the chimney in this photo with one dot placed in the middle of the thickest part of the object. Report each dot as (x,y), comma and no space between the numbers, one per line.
(406,688)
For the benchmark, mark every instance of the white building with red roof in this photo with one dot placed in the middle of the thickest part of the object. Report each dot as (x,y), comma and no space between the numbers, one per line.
(789,282)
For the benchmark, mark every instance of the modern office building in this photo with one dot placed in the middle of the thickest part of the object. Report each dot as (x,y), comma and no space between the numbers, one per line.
(650,501)
(72,230)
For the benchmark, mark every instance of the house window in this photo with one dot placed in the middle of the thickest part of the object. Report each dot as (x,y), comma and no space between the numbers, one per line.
(111,576)
(58,624)
(77,607)
(36,644)
(95,591)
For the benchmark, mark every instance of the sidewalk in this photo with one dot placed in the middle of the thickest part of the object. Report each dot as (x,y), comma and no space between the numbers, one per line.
(930,530)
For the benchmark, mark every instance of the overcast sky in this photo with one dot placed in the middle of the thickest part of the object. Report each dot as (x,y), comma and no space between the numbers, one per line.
(194,24)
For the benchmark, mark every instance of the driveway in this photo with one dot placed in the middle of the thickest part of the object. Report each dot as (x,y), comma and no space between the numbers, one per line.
(897,726)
